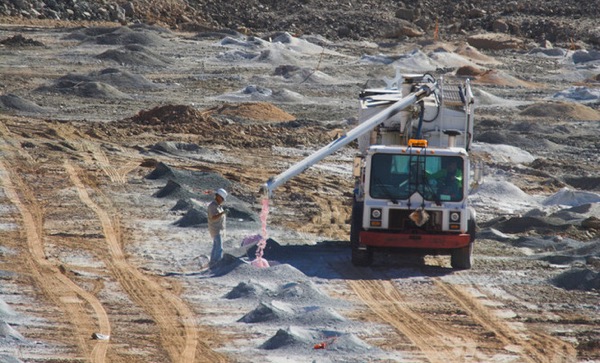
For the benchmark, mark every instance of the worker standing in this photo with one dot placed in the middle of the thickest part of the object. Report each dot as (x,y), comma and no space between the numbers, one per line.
(216,224)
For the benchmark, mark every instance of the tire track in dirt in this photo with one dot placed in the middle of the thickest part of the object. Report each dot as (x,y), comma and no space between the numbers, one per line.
(538,348)
(439,341)
(116,175)
(382,297)
(58,287)
(178,326)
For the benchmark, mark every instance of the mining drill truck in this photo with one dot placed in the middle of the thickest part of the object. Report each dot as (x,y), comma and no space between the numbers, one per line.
(412,172)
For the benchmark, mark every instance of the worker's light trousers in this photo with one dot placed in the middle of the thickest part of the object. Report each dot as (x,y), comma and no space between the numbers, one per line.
(217,249)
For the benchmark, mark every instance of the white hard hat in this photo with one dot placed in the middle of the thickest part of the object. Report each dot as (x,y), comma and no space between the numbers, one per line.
(222,192)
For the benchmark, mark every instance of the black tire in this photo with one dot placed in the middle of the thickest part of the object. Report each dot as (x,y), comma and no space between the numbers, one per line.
(462,258)
(360,257)
(472,229)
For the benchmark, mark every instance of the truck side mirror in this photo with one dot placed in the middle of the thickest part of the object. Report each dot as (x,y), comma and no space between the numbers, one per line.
(478,172)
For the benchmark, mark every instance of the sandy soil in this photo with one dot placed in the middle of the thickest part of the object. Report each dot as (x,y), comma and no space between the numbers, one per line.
(113,140)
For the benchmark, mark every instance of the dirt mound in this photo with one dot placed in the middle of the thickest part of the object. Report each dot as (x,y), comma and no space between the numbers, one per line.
(175,118)
(83,86)
(258,111)
(97,90)
(16,103)
(161,171)
(288,338)
(245,290)
(474,55)
(469,71)
(182,205)
(172,147)
(135,55)
(85,33)
(112,76)
(578,279)
(494,41)
(186,119)
(495,137)
(295,337)
(192,218)
(173,190)
(20,41)
(314,315)
(139,34)
(497,78)
(122,79)
(542,225)
(302,290)
(585,182)
(204,182)
(264,312)
(562,110)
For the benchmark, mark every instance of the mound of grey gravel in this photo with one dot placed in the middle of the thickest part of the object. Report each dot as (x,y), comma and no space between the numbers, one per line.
(176,148)
(83,86)
(122,79)
(117,78)
(139,34)
(248,289)
(301,291)
(98,90)
(187,187)
(195,180)
(127,35)
(244,271)
(11,102)
(174,190)
(578,279)
(268,312)
(315,315)
(327,341)
(541,224)
(288,338)
(134,55)
(586,182)
(193,217)
(183,205)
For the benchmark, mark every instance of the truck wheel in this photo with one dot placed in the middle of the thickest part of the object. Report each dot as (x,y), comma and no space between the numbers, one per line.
(472,229)
(461,258)
(362,257)
(359,257)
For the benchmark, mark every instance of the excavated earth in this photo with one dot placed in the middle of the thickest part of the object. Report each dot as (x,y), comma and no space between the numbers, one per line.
(114,136)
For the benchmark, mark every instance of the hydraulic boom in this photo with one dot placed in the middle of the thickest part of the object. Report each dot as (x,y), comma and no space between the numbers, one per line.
(412,98)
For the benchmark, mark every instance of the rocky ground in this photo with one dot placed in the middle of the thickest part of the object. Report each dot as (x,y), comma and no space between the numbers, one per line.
(115,133)
(564,23)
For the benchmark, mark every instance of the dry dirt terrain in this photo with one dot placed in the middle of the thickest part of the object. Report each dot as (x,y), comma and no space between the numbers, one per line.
(114,137)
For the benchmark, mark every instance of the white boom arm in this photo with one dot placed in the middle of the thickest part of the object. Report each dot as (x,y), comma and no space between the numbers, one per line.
(414,97)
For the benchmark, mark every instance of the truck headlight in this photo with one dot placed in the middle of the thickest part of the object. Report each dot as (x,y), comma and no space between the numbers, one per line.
(454,216)
(375,213)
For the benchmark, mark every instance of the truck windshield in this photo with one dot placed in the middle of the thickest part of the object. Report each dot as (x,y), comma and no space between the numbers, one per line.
(397,177)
